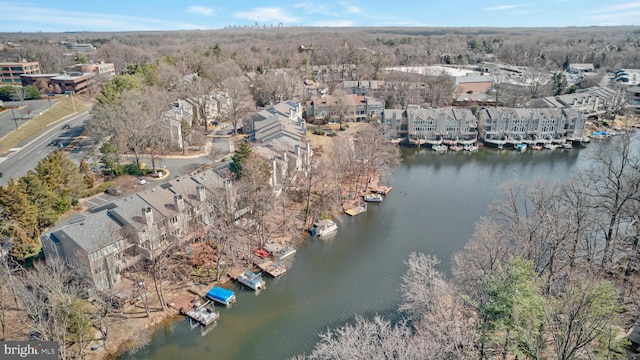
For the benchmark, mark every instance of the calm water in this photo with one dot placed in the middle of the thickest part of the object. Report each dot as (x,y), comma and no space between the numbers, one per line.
(436,200)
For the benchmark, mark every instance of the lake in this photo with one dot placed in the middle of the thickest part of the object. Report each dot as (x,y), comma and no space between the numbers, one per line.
(435,202)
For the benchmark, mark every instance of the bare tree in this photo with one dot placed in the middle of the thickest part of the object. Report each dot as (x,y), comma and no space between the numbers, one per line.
(239,97)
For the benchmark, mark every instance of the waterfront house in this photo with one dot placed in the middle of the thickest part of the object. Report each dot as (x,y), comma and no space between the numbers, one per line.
(500,126)
(136,228)
(351,107)
(433,126)
(592,102)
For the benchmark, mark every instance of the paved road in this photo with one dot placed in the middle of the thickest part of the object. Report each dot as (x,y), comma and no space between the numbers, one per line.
(22,111)
(26,156)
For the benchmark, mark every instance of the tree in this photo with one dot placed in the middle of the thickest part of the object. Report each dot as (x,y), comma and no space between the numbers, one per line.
(81,58)
(558,83)
(580,319)
(239,157)
(6,93)
(32,92)
(22,216)
(119,83)
(239,95)
(109,159)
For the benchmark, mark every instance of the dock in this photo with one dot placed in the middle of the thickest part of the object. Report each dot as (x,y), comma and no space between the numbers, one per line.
(274,269)
(356,210)
(204,314)
(382,189)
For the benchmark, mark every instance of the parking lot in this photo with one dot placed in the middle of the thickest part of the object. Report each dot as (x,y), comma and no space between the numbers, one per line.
(20,113)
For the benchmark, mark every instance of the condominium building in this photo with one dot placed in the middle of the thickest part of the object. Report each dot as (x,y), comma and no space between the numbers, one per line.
(433,125)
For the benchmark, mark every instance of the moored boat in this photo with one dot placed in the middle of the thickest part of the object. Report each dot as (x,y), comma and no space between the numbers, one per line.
(536,147)
(470,148)
(252,280)
(550,146)
(521,147)
(455,148)
(439,148)
(324,228)
(373,198)
(221,295)
(567,145)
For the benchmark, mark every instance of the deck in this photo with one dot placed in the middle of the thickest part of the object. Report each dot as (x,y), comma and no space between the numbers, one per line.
(204,314)
(356,210)
(274,269)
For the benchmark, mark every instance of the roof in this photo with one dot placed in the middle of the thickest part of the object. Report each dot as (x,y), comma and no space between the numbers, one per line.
(92,233)
(220,294)
(161,199)
(72,76)
(129,210)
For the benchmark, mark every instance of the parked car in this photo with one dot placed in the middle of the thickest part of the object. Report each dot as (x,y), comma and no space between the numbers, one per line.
(114,190)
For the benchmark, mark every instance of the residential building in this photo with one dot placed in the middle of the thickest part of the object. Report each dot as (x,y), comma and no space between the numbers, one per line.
(433,125)
(214,105)
(135,229)
(289,109)
(181,111)
(351,107)
(500,126)
(628,77)
(11,71)
(633,99)
(363,87)
(577,68)
(593,102)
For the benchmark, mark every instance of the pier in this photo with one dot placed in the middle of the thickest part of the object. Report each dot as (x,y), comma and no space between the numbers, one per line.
(274,269)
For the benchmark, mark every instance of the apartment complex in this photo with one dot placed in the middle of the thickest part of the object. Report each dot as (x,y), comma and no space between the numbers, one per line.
(351,107)
(433,125)
(500,126)
(137,228)
(11,71)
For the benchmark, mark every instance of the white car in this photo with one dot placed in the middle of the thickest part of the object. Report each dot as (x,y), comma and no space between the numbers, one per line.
(141,181)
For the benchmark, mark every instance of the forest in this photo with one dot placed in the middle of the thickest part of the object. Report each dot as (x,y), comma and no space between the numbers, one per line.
(552,273)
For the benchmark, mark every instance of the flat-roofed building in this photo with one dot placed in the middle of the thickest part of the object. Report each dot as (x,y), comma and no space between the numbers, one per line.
(11,71)
(101,69)
(74,82)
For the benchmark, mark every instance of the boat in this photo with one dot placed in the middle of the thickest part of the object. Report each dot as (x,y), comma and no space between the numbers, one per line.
(439,148)
(221,295)
(284,252)
(550,146)
(455,148)
(252,280)
(536,147)
(567,145)
(470,148)
(261,253)
(521,147)
(202,314)
(323,228)
(373,198)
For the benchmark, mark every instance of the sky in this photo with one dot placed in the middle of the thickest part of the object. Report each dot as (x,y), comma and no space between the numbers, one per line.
(142,15)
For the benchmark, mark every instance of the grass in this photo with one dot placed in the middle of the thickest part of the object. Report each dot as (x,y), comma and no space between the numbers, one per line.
(63,107)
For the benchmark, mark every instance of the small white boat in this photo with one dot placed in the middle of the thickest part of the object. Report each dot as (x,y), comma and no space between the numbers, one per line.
(324,228)
(567,145)
(470,148)
(550,146)
(373,198)
(252,280)
(439,148)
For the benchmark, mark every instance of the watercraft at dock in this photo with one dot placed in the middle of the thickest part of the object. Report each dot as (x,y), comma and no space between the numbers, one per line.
(373,198)
(252,280)
(221,295)
(323,228)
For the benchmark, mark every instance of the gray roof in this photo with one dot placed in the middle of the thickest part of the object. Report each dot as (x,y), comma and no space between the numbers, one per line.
(161,199)
(92,233)
(185,186)
(129,210)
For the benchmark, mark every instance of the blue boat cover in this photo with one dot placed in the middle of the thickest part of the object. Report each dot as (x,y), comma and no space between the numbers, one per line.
(220,294)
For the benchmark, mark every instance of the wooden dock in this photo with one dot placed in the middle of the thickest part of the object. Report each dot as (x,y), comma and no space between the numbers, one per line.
(204,314)
(382,189)
(356,210)
(274,269)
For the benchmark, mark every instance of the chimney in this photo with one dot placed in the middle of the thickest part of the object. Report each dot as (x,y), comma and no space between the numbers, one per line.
(297,149)
(274,172)
(178,202)
(147,215)
(202,195)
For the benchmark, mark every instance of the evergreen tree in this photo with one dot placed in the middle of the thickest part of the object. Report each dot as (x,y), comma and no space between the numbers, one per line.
(240,156)
(22,216)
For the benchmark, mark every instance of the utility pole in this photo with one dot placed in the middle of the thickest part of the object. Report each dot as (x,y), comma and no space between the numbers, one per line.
(73,102)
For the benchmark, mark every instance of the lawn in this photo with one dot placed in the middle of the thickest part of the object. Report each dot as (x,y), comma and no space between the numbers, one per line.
(63,107)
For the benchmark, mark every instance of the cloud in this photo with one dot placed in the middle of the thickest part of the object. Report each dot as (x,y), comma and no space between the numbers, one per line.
(627,6)
(501,7)
(47,19)
(353,9)
(266,14)
(202,10)
(333,23)
(615,18)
